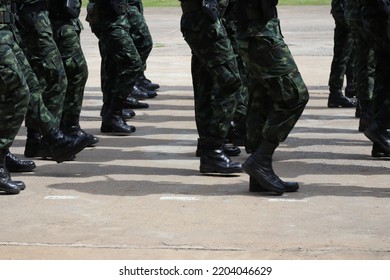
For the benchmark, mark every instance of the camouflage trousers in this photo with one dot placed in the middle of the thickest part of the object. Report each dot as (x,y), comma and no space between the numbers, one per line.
(45,59)
(364,64)
(67,36)
(38,117)
(230,22)
(14,92)
(277,93)
(376,25)
(215,77)
(343,55)
(140,33)
(121,63)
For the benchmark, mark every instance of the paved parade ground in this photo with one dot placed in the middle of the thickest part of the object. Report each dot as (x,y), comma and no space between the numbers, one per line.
(142,196)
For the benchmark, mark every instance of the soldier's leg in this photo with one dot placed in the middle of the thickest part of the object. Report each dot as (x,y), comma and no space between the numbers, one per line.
(341,54)
(143,41)
(213,52)
(270,62)
(14,96)
(364,79)
(122,65)
(237,132)
(67,37)
(379,130)
(45,58)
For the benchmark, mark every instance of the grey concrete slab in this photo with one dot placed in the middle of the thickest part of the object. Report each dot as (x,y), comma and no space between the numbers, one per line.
(142,197)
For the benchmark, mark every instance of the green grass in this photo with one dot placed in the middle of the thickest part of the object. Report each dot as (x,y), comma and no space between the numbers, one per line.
(175,3)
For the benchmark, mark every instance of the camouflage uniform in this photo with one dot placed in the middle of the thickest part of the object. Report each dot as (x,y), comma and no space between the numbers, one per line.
(230,21)
(14,92)
(215,75)
(38,117)
(43,54)
(66,33)
(343,54)
(139,30)
(277,93)
(121,63)
(376,26)
(364,63)
(13,95)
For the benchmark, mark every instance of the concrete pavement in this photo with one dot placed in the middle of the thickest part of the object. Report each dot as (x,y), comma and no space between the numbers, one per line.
(142,197)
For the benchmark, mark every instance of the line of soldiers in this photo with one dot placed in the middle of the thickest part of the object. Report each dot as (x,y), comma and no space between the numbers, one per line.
(43,73)
(362,44)
(258,105)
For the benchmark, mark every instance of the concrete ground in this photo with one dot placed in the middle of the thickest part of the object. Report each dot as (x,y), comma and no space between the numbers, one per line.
(142,196)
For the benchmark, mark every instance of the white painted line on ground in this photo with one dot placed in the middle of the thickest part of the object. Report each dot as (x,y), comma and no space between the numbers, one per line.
(61,197)
(181,198)
(287,200)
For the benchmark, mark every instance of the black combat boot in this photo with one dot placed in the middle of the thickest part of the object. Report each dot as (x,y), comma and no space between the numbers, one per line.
(254,186)
(6,184)
(378,152)
(146,83)
(379,135)
(259,166)
(139,93)
(337,99)
(15,164)
(71,127)
(33,144)
(133,103)
(214,160)
(63,147)
(149,93)
(113,122)
(128,114)
(230,151)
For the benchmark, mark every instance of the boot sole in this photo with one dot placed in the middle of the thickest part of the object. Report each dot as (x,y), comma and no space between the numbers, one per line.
(10,191)
(340,106)
(115,133)
(224,171)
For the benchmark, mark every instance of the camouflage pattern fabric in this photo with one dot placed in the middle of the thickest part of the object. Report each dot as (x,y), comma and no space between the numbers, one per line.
(38,116)
(375,23)
(14,92)
(230,22)
(139,31)
(215,75)
(44,56)
(67,37)
(121,63)
(277,93)
(343,55)
(364,64)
